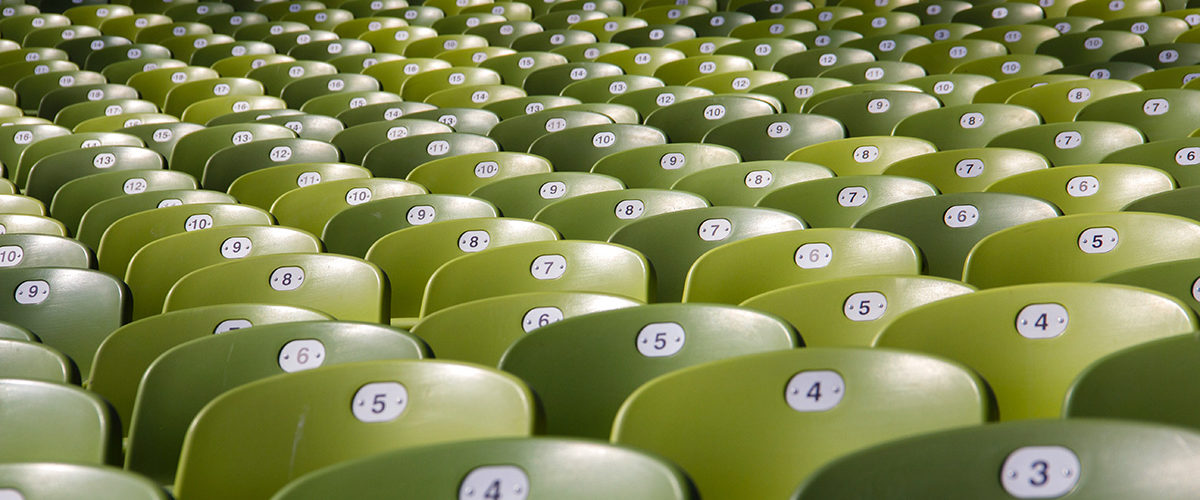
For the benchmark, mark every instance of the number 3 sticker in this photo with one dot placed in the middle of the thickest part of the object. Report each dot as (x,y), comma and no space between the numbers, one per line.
(1040,472)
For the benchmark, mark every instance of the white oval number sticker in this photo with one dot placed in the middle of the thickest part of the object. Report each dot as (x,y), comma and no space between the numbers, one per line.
(1042,321)
(11,255)
(759,179)
(1098,240)
(1040,472)
(495,482)
(421,214)
(540,316)
(230,325)
(32,292)
(104,160)
(379,402)
(299,355)
(970,167)
(287,278)
(1082,186)
(959,216)
(815,390)
(474,241)
(630,209)
(813,255)
(854,196)
(865,306)
(553,190)
(236,247)
(715,229)
(658,340)
(198,222)
(548,267)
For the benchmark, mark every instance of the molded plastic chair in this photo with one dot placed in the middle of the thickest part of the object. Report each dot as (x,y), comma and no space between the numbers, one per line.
(578,149)
(1100,187)
(58,481)
(480,331)
(677,159)
(1070,143)
(1061,101)
(540,266)
(1030,342)
(745,183)
(851,311)
(305,280)
(875,113)
(583,368)
(862,155)
(834,402)
(30,224)
(1158,113)
(674,240)
(261,188)
(690,120)
(554,467)
(463,174)
(42,250)
(946,227)
(775,136)
(597,216)
(968,125)
(968,169)
(33,361)
(793,257)
(1177,201)
(261,421)
(227,164)
(842,201)
(192,151)
(71,310)
(129,234)
(353,230)
(1174,156)
(52,422)
(123,358)
(188,376)
(411,255)
(155,268)
(55,170)
(399,157)
(102,214)
(312,207)
(1079,247)
(1072,458)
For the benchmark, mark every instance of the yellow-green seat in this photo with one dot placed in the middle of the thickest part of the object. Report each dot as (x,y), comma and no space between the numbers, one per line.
(54,422)
(1048,331)
(353,230)
(596,216)
(74,198)
(842,201)
(968,125)
(1061,101)
(1158,113)
(399,157)
(767,444)
(1099,187)
(1079,247)
(463,174)
(312,207)
(42,250)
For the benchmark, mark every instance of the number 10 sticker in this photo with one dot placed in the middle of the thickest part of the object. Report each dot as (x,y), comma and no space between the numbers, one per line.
(1040,472)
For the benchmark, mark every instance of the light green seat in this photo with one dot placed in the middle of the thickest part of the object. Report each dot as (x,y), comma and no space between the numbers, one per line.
(55,101)
(690,120)
(227,164)
(835,401)
(275,77)
(646,101)
(102,214)
(55,170)
(596,216)
(528,267)
(944,55)
(1071,143)
(161,137)
(410,256)
(25,360)
(480,331)
(52,422)
(874,113)
(298,279)
(674,241)
(192,151)
(635,166)
(583,368)
(1173,156)
(968,169)
(946,227)
(794,257)
(1030,342)
(123,358)
(1086,458)
(463,174)
(311,208)
(43,250)
(523,196)
(399,157)
(31,224)
(156,267)
(261,188)
(862,155)
(851,311)
(1158,113)
(842,201)
(1061,101)
(1011,66)
(188,376)
(951,89)
(18,138)
(1079,247)
(745,183)
(21,204)
(59,481)
(1098,187)
(353,230)
(968,125)
(127,235)
(381,112)
(259,422)
(71,310)
(555,467)
(355,141)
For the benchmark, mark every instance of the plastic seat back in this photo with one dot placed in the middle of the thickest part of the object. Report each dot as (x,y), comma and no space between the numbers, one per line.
(51,422)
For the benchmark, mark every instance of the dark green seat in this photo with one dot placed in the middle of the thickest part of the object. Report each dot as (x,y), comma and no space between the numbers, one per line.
(53,422)
(842,201)
(353,230)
